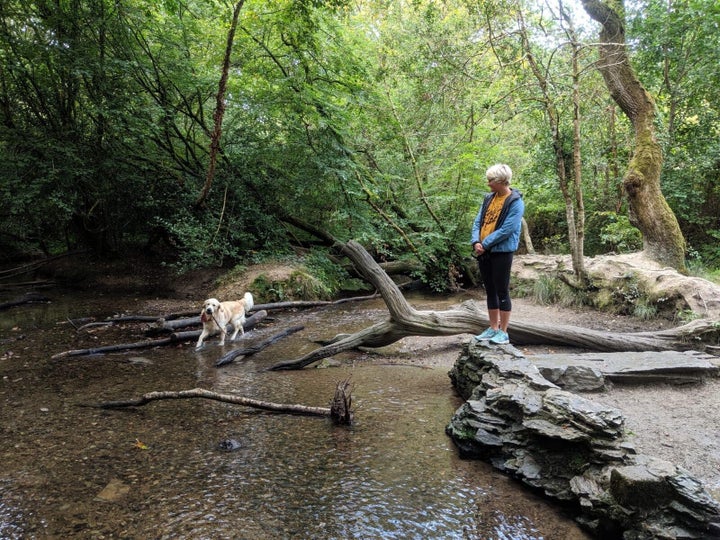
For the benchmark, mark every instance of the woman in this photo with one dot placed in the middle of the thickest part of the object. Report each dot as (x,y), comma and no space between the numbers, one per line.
(495,237)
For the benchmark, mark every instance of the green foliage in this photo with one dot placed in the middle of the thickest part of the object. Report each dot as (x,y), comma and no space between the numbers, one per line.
(373,121)
(677,54)
(697,267)
(630,297)
(549,290)
(645,311)
(332,275)
(441,268)
(686,316)
(545,213)
(616,232)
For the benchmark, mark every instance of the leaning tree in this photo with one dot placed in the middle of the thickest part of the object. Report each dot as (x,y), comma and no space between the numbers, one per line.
(649,212)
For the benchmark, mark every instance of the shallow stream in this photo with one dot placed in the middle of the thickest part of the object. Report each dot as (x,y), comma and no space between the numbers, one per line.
(158,471)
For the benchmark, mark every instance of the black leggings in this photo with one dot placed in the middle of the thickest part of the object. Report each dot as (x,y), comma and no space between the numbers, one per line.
(495,274)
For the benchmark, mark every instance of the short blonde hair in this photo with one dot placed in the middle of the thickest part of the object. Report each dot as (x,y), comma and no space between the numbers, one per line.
(499,174)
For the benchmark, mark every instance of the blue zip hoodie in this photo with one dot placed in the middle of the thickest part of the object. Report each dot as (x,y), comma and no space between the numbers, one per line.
(506,236)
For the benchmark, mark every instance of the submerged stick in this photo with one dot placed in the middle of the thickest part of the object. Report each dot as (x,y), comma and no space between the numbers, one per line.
(117,347)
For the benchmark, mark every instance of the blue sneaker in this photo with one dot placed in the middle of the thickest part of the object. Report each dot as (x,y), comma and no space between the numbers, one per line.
(500,338)
(487,334)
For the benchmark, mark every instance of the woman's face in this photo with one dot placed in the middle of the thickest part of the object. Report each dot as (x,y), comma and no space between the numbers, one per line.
(495,185)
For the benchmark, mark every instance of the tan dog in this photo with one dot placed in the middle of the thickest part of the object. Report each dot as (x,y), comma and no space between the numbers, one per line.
(216,315)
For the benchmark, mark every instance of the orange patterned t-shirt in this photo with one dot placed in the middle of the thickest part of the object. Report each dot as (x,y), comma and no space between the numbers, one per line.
(491,215)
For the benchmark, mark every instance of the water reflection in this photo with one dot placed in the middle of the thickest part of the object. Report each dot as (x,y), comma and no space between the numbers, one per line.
(394,474)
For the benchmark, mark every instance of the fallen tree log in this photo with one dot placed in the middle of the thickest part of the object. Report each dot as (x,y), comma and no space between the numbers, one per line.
(233,355)
(471,317)
(117,347)
(163,326)
(27,298)
(117,320)
(175,337)
(170,324)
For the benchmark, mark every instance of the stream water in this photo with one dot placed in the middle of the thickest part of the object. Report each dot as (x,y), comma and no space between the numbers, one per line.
(158,471)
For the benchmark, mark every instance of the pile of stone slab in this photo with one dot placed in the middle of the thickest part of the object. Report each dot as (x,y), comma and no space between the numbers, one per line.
(572,449)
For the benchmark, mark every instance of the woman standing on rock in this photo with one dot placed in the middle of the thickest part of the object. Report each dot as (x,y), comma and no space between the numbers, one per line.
(495,237)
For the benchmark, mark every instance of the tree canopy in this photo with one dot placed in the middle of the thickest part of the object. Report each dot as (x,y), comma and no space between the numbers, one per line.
(370,120)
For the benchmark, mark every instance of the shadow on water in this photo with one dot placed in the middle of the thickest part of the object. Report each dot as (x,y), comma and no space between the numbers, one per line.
(158,471)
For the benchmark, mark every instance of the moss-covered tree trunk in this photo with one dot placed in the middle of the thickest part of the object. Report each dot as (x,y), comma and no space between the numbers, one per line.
(662,239)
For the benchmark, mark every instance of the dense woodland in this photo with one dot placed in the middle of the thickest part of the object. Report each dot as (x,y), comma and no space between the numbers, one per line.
(206,132)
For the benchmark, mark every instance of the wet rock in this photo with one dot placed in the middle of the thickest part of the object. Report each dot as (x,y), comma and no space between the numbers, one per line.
(572,449)
(140,361)
(114,491)
(229,445)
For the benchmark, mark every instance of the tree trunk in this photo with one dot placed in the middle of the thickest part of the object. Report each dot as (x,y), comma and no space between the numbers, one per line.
(578,249)
(470,318)
(648,210)
(525,235)
(570,197)
(235,354)
(220,107)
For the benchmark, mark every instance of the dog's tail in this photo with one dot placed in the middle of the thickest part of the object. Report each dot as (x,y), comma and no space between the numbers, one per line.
(249,302)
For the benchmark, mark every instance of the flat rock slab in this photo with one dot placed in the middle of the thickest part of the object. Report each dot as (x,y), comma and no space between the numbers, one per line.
(666,366)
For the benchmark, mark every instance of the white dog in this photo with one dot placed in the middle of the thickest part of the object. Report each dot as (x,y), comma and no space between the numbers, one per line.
(216,315)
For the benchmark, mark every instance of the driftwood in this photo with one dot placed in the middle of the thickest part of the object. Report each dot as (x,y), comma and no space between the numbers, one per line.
(120,347)
(340,411)
(207,394)
(233,355)
(296,304)
(471,317)
(166,324)
(117,320)
(175,337)
(172,322)
(27,298)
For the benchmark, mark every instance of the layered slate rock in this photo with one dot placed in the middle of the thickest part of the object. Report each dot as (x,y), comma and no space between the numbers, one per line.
(572,449)
(588,372)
